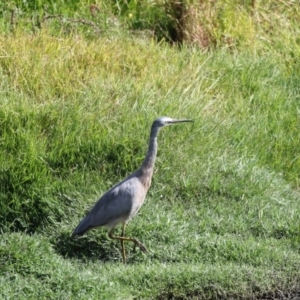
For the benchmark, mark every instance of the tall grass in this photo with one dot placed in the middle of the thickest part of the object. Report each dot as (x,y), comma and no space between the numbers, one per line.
(207,24)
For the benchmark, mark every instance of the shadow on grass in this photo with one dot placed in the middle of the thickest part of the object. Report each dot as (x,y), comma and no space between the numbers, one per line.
(86,247)
(277,294)
(93,247)
(210,292)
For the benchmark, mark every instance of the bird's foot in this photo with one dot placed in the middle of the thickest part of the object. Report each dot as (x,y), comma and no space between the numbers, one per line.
(141,246)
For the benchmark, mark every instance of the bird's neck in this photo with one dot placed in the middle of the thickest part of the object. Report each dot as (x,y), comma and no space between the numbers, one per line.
(149,161)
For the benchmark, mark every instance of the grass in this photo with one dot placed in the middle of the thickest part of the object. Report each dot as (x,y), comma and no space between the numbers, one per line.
(222,216)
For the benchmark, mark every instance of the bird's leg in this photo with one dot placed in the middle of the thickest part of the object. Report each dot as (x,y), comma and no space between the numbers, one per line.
(122,238)
(134,246)
(122,243)
(112,236)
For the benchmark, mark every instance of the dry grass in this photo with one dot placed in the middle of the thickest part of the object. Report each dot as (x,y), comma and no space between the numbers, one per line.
(232,24)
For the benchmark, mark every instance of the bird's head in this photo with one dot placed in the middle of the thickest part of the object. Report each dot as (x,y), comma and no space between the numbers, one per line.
(163,121)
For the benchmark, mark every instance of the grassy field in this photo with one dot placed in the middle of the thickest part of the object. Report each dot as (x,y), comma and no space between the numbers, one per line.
(222,218)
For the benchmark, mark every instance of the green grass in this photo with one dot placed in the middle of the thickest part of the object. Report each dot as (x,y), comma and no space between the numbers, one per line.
(221,219)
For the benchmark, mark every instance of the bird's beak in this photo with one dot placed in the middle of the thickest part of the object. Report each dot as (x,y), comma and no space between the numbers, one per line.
(180,121)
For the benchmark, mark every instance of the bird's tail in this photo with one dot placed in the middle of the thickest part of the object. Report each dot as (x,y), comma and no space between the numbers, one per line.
(81,229)
(77,233)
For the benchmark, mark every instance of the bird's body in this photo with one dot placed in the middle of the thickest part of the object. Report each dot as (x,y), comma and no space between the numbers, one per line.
(123,201)
(117,205)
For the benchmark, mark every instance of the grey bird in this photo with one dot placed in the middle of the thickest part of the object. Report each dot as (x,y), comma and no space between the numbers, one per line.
(123,201)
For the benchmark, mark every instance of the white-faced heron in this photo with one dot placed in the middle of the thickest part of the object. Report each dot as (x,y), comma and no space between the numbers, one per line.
(123,201)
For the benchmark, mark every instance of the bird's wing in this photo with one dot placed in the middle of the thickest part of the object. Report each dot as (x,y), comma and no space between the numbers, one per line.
(114,206)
